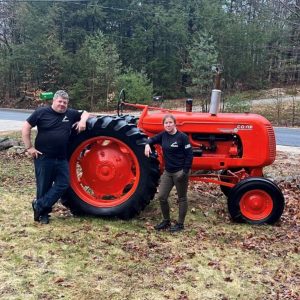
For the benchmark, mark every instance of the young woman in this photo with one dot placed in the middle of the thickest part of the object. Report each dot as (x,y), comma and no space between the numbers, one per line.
(178,156)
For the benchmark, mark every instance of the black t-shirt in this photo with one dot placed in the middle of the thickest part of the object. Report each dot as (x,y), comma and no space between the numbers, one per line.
(177,150)
(54,130)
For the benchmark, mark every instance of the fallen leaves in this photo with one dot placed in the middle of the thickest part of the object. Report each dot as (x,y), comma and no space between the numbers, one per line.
(214,264)
(212,257)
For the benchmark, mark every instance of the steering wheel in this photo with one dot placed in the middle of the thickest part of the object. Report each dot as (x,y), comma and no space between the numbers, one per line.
(121,102)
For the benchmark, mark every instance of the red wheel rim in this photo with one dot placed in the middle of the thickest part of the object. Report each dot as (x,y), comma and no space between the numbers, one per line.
(256,205)
(104,171)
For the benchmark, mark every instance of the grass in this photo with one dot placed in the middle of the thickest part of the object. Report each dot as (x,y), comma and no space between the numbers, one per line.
(280,113)
(90,258)
(248,94)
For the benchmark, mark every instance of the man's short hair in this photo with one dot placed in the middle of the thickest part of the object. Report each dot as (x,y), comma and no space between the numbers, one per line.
(62,94)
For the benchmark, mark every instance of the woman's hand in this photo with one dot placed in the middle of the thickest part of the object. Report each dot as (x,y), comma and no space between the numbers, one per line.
(148,150)
(182,176)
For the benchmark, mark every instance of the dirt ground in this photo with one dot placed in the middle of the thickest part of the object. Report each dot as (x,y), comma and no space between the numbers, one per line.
(97,258)
(292,150)
(285,171)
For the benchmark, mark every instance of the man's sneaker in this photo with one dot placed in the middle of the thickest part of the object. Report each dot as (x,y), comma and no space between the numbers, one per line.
(163,225)
(44,219)
(36,211)
(177,227)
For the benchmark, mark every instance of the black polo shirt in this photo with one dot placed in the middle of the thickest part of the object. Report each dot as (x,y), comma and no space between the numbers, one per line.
(54,130)
(177,150)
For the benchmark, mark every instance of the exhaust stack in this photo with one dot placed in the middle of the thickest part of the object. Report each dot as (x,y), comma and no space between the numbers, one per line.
(215,102)
(216,92)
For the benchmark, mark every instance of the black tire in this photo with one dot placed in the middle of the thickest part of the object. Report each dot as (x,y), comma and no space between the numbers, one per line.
(256,200)
(122,135)
(131,119)
(225,190)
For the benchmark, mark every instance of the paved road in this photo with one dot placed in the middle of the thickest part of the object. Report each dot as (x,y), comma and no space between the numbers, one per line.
(15,115)
(287,136)
(13,120)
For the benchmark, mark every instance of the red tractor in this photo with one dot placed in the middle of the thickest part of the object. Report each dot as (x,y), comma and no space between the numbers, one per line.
(111,176)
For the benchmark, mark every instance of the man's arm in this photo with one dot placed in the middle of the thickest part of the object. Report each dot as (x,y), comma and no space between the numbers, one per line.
(26,137)
(81,125)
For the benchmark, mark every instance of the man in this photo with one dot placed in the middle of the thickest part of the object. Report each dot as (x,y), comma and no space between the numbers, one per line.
(54,124)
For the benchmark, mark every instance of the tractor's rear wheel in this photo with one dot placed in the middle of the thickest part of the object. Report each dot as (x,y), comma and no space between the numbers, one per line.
(110,175)
(131,119)
(256,200)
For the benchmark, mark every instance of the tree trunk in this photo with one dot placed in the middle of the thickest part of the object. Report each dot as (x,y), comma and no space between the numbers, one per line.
(6,143)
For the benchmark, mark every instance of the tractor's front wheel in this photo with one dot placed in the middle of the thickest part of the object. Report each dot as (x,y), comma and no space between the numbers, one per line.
(110,175)
(256,200)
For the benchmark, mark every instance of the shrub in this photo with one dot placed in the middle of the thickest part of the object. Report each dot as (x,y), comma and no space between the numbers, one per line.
(236,104)
(137,86)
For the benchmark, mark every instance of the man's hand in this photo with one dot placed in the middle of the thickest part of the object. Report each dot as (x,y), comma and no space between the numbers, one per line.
(148,150)
(80,126)
(33,152)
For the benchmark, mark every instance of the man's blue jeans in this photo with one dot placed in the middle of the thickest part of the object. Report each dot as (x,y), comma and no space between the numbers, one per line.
(52,180)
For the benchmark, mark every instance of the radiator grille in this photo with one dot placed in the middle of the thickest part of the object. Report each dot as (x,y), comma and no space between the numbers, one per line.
(272,142)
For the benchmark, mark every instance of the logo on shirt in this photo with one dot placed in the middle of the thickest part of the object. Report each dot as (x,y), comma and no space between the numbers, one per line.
(65,119)
(174,145)
(187,146)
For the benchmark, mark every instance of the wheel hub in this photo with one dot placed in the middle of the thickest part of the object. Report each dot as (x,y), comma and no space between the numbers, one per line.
(256,204)
(104,169)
